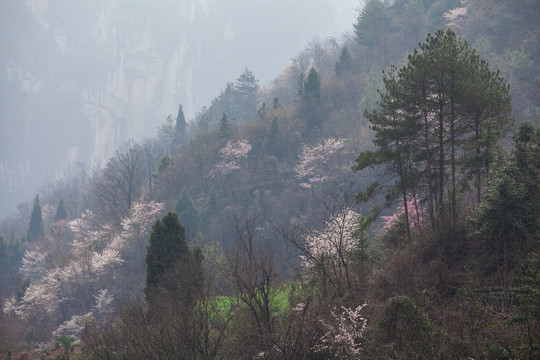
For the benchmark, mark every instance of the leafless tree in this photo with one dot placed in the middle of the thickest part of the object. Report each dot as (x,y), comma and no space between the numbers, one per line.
(326,252)
(252,268)
(121,182)
(152,151)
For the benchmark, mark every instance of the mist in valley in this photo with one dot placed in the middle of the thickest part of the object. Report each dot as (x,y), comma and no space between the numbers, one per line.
(239,179)
(79,79)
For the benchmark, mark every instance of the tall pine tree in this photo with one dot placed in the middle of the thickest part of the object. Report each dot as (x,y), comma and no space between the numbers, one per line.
(428,118)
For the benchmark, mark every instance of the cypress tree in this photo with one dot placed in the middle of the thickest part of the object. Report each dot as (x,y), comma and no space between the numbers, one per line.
(167,247)
(61,212)
(35,227)
(180,128)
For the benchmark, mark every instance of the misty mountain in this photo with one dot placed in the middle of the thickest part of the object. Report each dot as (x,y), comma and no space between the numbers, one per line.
(79,79)
(378,198)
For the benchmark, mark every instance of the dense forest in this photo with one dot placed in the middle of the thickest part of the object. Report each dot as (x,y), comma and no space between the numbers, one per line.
(379,199)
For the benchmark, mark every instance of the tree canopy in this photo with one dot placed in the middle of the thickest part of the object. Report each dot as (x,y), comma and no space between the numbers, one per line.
(427,119)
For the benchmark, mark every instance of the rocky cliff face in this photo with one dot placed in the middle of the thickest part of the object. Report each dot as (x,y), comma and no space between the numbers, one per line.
(77,79)
(80,80)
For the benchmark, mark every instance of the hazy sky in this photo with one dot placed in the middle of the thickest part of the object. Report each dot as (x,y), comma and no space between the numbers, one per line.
(78,78)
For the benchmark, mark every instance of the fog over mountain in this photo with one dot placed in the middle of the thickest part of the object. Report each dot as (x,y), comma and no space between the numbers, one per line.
(79,78)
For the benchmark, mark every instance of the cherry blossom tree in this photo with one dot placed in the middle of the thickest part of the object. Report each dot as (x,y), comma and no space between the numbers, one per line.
(97,255)
(416,214)
(312,167)
(74,326)
(455,17)
(343,336)
(231,154)
(326,251)
(33,264)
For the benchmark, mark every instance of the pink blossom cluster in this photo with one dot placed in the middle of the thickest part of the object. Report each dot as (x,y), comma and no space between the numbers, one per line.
(414,209)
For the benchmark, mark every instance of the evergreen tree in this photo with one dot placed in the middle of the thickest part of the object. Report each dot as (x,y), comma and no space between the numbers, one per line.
(262,112)
(406,331)
(167,247)
(345,62)
(488,105)
(426,113)
(507,218)
(312,87)
(180,128)
(395,133)
(373,31)
(311,109)
(35,227)
(187,212)
(61,212)
(275,105)
(162,165)
(270,141)
(225,129)
(212,207)
(246,88)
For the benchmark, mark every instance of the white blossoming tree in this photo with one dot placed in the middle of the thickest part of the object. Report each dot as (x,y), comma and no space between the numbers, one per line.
(326,251)
(455,17)
(33,264)
(313,166)
(231,154)
(97,255)
(343,336)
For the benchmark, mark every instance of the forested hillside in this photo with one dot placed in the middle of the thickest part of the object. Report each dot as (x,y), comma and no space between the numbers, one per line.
(379,199)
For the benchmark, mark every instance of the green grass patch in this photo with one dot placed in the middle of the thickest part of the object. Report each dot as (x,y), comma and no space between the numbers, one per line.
(280,302)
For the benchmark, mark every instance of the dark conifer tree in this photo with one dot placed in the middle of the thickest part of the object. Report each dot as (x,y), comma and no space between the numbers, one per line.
(373,32)
(507,218)
(180,128)
(61,212)
(35,227)
(312,87)
(270,141)
(246,88)
(425,115)
(311,101)
(345,62)
(188,214)
(167,247)
(225,129)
